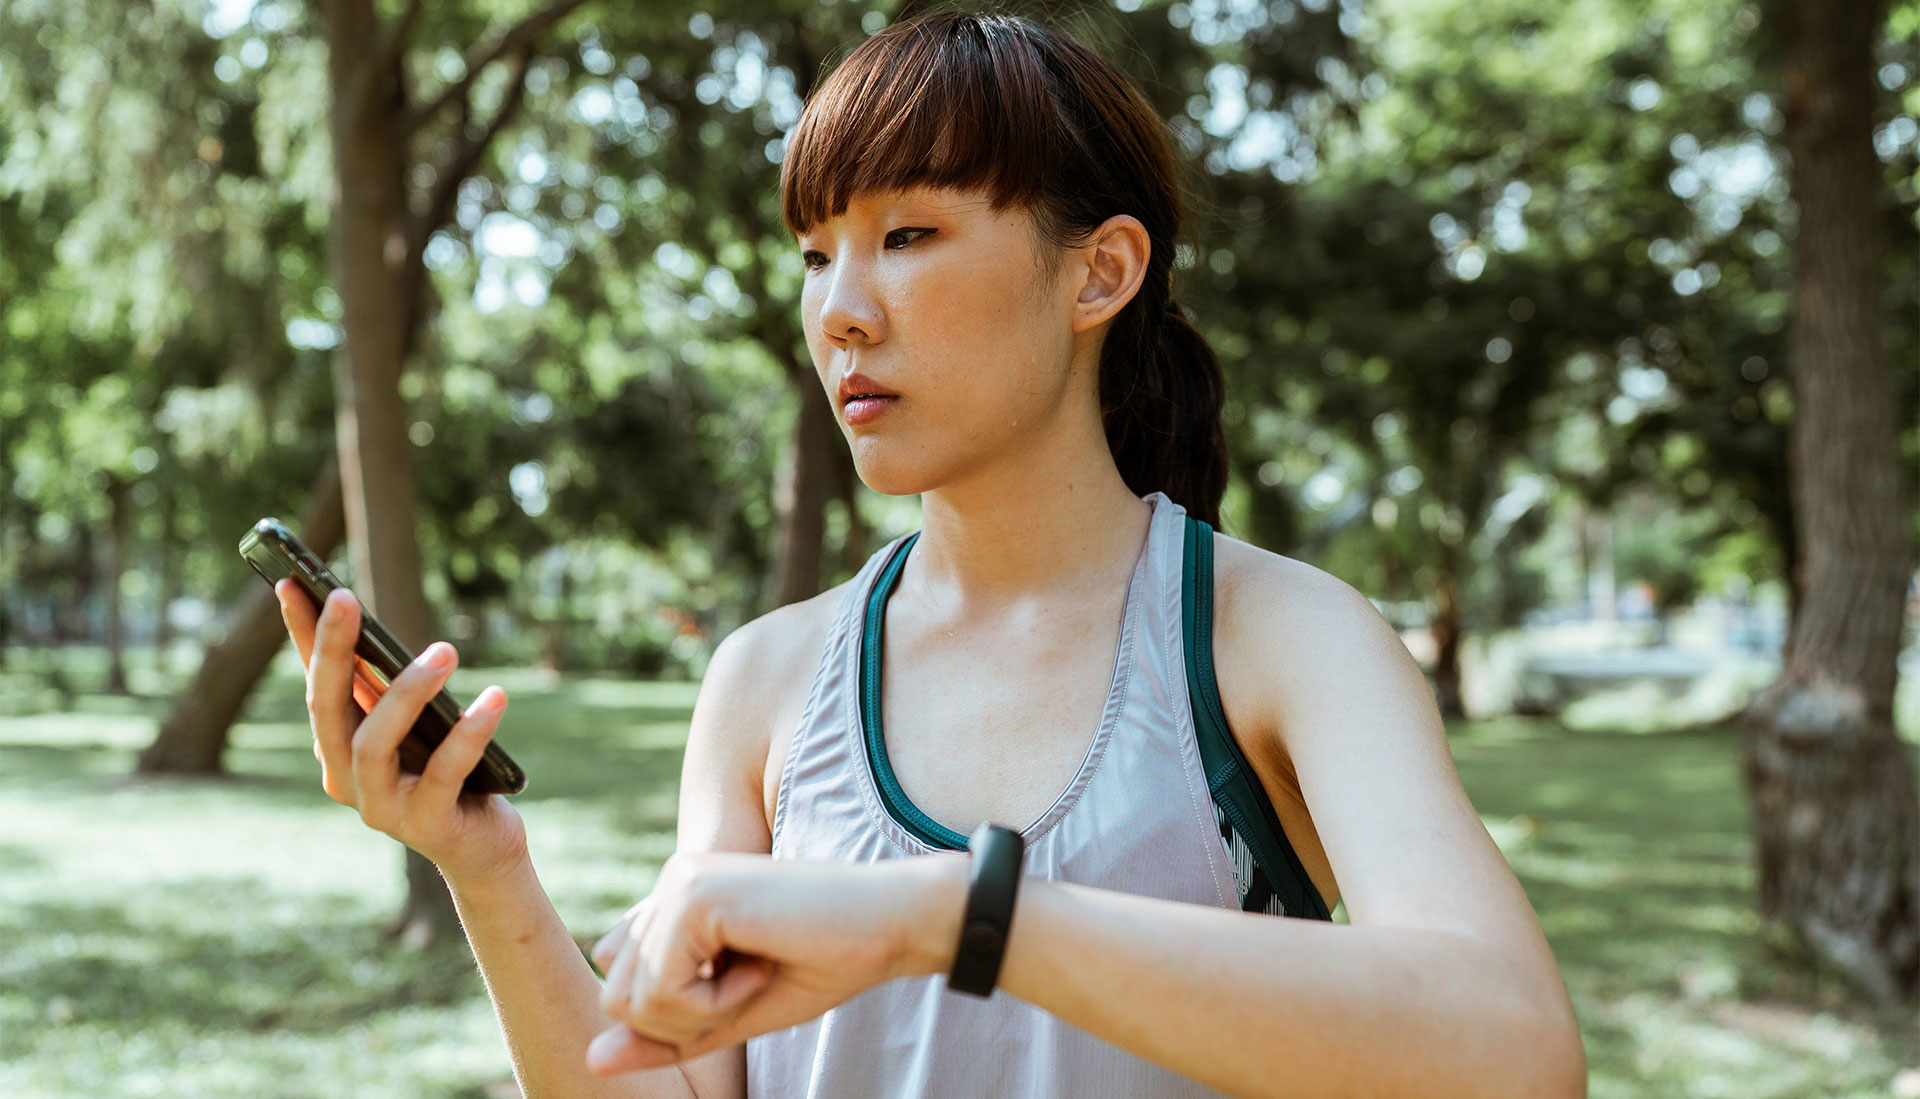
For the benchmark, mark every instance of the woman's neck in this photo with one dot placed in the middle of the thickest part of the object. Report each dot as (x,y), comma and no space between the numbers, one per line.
(1042,523)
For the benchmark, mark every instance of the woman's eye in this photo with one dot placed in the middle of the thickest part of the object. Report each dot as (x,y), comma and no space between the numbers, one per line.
(897,238)
(900,238)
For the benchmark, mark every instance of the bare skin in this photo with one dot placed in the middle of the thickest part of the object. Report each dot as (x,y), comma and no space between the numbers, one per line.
(999,644)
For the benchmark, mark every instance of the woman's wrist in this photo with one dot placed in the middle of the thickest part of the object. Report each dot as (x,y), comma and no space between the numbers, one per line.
(935,906)
(505,868)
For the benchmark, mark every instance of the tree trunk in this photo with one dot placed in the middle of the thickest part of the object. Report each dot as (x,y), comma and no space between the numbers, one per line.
(169,582)
(8,578)
(34,629)
(75,621)
(376,247)
(368,252)
(1273,522)
(1596,543)
(193,738)
(1836,823)
(1446,628)
(561,621)
(116,492)
(808,480)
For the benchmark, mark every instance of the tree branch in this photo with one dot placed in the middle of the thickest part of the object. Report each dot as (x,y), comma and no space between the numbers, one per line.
(438,207)
(517,37)
(401,32)
(461,164)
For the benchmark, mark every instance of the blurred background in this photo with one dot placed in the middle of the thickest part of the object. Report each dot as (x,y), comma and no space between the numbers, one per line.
(1580,336)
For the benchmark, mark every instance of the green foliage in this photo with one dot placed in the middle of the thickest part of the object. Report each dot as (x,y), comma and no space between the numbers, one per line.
(1550,261)
(1471,267)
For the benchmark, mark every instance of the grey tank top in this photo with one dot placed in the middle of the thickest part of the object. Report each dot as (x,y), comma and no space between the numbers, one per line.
(1137,817)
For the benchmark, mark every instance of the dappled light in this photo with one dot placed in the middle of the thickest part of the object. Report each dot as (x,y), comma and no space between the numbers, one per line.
(1582,340)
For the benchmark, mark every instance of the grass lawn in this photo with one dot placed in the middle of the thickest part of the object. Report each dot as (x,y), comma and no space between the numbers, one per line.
(223,938)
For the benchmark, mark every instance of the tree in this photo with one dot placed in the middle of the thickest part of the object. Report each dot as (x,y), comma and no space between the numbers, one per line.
(1836,821)
(146,371)
(1594,197)
(193,736)
(388,201)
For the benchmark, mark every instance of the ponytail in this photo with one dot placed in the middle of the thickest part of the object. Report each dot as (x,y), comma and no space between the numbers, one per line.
(1160,397)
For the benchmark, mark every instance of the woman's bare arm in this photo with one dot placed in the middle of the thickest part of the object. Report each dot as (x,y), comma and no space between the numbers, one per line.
(545,994)
(1257,1005)
(721,809)
(756,682)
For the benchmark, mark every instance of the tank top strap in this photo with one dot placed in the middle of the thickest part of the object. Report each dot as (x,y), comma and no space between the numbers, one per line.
(1267,870)
(828,693)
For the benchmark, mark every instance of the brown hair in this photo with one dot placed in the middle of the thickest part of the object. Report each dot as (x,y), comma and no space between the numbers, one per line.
(1034,118)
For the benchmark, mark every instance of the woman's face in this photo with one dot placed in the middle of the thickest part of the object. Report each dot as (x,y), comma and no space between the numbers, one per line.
(937,297)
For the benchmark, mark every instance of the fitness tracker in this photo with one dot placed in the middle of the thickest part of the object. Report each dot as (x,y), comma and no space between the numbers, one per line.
(995,877)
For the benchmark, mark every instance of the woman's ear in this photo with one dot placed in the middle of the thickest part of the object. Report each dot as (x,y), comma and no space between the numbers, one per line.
(1115,261)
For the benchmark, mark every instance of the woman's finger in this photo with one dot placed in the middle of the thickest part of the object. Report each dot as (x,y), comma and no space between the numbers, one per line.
(375,744)
(299,614)
(737,984)
(608,948)
(762,1005)
(330,689)
(616,996)
(668,996)
(447,768)
(632,932)
(618,1049)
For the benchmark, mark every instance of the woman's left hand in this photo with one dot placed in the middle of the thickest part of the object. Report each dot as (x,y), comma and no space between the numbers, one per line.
(731,945)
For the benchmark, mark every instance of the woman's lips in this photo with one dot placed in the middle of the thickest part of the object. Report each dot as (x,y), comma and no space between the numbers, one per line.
(862,410)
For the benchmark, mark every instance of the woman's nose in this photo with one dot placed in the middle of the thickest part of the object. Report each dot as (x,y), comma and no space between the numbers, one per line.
(851,311)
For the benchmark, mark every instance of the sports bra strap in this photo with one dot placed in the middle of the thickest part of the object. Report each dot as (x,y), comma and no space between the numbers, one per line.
(1235,787)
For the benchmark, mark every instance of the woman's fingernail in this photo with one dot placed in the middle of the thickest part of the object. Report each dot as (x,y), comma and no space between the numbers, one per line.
(335,609)
(438,657)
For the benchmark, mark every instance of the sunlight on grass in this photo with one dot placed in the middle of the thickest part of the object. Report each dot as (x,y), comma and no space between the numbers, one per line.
(224,937)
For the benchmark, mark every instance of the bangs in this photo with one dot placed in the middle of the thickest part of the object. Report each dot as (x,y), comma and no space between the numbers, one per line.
(950,100)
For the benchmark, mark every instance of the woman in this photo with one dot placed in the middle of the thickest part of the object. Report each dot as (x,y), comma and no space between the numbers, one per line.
(986,212)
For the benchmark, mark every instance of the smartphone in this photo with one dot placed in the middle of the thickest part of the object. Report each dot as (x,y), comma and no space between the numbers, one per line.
(277,554)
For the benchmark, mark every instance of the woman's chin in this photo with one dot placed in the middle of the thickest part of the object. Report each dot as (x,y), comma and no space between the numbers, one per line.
(891,475)
(892,481)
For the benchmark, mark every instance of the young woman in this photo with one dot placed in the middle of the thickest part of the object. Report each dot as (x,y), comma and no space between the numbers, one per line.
(1203,746)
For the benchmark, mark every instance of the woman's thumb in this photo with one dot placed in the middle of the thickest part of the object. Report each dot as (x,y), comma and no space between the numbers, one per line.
(618,1049)
(743,979)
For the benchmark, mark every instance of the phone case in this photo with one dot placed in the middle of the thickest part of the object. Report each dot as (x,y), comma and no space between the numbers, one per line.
(276,554)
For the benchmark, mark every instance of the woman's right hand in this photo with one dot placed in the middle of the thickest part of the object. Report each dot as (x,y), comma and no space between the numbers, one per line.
(467,836)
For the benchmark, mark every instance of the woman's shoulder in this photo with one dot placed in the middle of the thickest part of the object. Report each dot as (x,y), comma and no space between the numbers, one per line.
(1287,635)
(761,674)
(766,659)
(1281,592)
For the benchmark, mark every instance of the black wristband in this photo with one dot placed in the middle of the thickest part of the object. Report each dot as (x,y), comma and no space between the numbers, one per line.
(993,881)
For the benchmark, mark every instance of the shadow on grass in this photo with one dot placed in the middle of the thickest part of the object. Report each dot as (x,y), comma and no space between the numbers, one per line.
(1635,852)
(1633,849)
(17,859)
(218,955)
(588,742)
